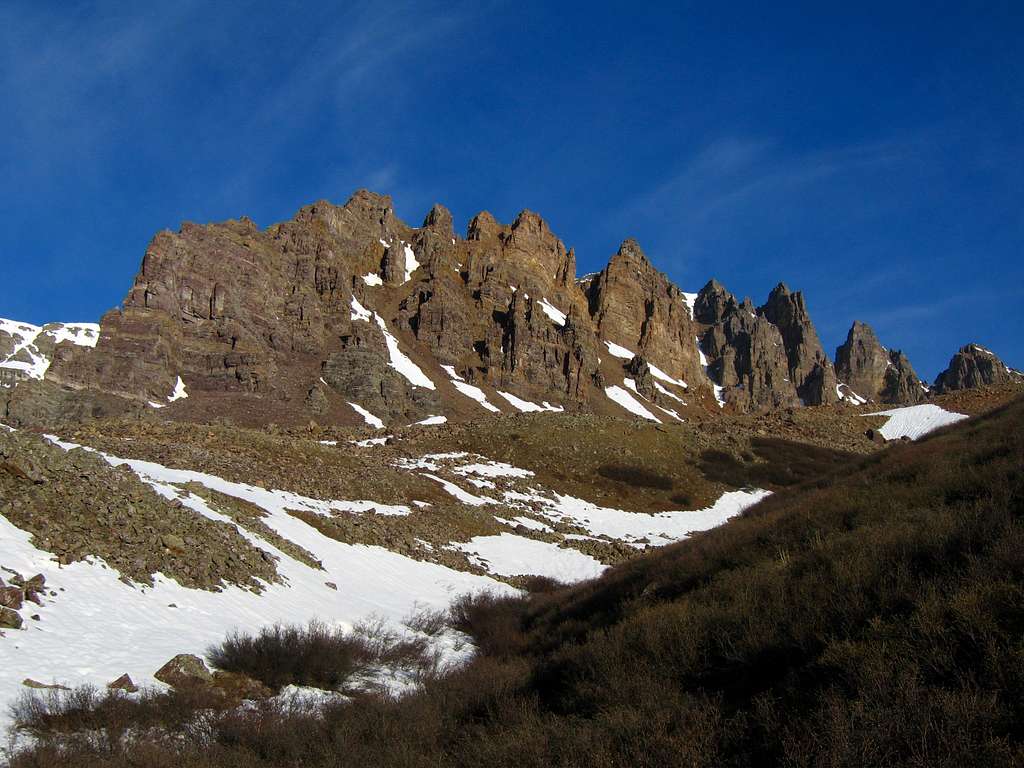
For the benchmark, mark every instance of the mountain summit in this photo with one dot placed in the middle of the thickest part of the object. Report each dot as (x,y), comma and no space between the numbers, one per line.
(346,314)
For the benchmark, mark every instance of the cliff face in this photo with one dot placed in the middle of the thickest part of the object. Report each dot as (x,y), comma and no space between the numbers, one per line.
(635,306)
(764,358)
(348,304)
(810,370)
(975,366)
(346,310)
(874,372)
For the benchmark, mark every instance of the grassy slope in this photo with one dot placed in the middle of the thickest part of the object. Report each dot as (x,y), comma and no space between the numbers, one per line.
(874,616)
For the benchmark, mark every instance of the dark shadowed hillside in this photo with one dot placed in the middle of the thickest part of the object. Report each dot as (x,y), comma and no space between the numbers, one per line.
(872,616)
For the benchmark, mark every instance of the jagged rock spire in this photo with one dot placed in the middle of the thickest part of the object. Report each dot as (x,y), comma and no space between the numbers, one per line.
(874,372)
(809,367)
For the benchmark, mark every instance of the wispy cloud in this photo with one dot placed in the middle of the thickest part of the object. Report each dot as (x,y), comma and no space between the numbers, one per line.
(78,85)
(732,173)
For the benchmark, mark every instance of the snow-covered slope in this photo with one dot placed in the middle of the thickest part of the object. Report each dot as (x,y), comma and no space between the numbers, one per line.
(915,421)
(94,626)
(25,348)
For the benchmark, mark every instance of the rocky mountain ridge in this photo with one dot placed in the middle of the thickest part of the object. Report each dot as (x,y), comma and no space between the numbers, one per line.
(346,313)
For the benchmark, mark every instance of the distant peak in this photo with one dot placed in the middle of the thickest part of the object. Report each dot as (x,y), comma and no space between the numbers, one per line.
(530,220)
(482,225)
(439,219)
(630,247)
(364,197)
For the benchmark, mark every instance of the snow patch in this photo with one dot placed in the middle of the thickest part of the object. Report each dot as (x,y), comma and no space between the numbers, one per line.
(179,392)
(372,279)
(619,351)
(26,335)
(359,312)
(527,407)
(368,417)
(915,421)
(556,316)
(690,300)
(411,265)
(99,627)
(630,403)
(718,389)
(665,392)
(843,392)
(470,391)
(431,421)
(397,359)
(370,441)
(459,493)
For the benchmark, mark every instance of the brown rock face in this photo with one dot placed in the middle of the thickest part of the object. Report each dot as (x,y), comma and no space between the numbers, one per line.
(503,308)
(975,366)
(335,307)
(874,372)
(635,306)
(747,358)
(809,368)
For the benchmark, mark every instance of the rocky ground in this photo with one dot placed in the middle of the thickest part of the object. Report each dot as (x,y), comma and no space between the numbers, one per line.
(76,505)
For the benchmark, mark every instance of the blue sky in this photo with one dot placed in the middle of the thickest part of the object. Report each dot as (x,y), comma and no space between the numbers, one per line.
(870,154)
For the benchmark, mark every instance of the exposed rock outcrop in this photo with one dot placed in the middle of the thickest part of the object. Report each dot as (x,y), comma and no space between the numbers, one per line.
(746,355)
(76,505)
(637,307)
(810,370)
(345,310)
(974,366)
(874,372)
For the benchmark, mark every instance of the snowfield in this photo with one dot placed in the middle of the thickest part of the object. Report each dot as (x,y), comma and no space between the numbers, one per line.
(509,555)
(915,421)
(96,627)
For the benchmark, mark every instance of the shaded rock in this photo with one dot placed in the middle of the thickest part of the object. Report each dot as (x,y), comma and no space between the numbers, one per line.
(746,356)
(637,307)
(238,687)
(875,436)
(640,371)
(712,303)
(810,370)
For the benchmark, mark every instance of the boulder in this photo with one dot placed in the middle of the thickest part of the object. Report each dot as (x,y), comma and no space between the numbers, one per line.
(28,682)
(123,683)
(11,597)
(173,542)
(184,670)
(9,619)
